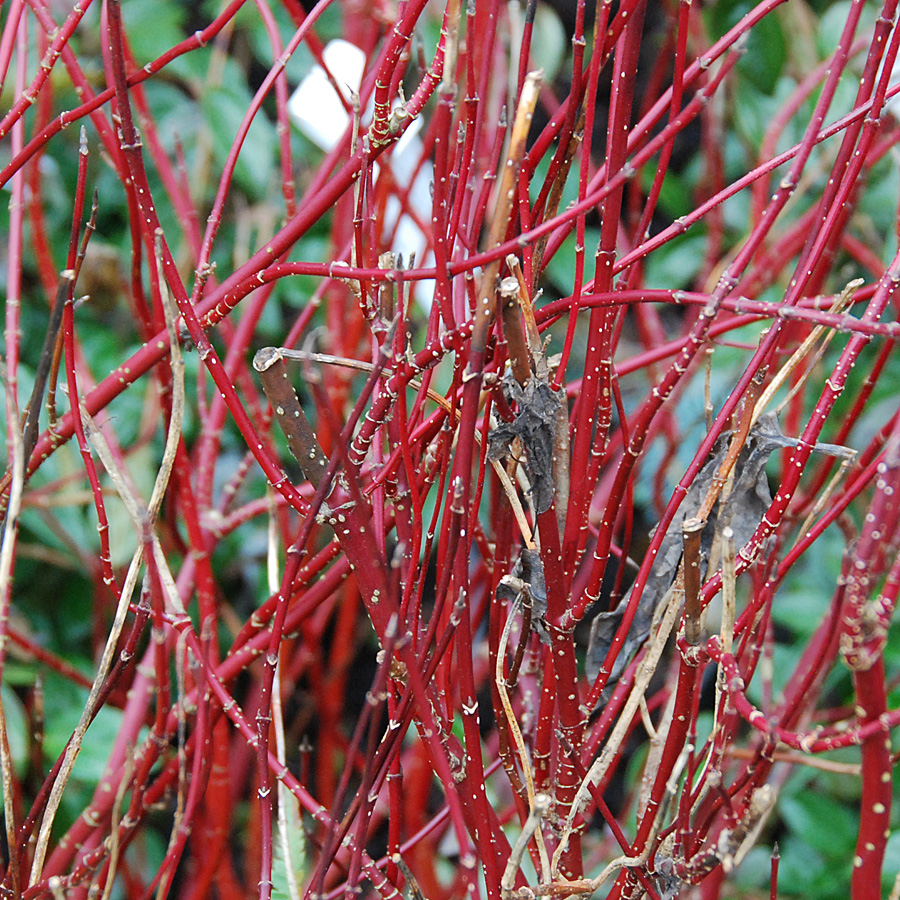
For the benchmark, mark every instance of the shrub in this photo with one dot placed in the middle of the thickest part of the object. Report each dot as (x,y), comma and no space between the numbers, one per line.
(456,478)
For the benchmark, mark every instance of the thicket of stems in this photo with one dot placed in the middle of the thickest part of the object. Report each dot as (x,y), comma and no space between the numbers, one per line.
(432,467)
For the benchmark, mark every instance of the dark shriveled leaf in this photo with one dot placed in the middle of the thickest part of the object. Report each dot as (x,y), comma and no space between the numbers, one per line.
(535,426)
(747,503)
(528,575)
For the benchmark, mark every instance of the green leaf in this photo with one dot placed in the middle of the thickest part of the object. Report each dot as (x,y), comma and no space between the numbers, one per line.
(224,109)
(891,868)
(301,60)
(766,54)
(833,20)
(16,728)
(798,869)
(550,51)
(561,268)
(676,263)
(296,851)
(63,705)
(804,813)
(806,594)
(752,112)
(152,28)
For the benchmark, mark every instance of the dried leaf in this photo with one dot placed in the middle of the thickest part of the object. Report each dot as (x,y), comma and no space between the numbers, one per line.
(528,574)
(535,426)
(743,511)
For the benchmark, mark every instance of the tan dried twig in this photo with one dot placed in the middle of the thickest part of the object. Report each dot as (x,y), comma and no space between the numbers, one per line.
(641,681)
(144,519)
(535,809)
(7,551)
(284,795)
